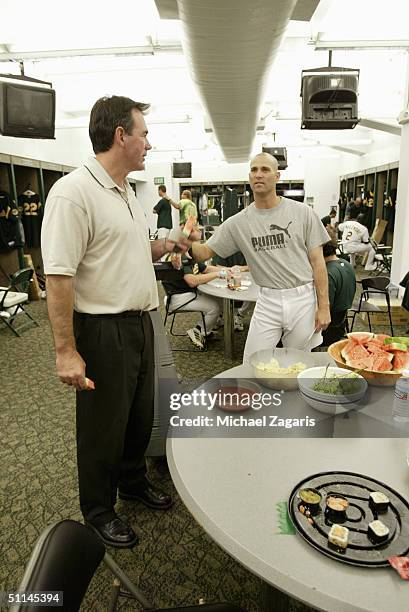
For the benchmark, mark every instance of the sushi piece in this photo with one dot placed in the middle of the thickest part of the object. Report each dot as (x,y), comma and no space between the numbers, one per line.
(310,498)
(377,532)
(336,506)
(378,501)
(338,535)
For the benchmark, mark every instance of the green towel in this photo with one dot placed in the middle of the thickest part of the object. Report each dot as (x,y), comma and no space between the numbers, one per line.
(284,522)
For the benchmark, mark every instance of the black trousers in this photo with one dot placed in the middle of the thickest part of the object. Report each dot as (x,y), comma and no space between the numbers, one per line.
(336,329)
(114,422)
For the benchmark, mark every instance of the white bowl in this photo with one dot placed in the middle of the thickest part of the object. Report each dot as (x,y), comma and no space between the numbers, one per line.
(327,407)
(285,357)
(325,402)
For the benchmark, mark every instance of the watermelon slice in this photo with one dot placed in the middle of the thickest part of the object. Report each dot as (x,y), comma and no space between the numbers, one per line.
(400,339)
(396,346)
(360,337)
(381,364)
(354,352)
(381,337)
(400,360)
(375,349)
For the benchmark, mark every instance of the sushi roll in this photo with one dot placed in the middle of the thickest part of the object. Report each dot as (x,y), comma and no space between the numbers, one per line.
(377,532)
(378,501)
(310,498)
(338,536)
(336,507)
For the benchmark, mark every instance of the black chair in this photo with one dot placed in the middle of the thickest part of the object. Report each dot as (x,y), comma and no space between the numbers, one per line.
(375,286)
(383,257)
(172,312)
(12,299)
(64,560)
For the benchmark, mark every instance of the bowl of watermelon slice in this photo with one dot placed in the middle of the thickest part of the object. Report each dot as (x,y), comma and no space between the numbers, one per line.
(379,358)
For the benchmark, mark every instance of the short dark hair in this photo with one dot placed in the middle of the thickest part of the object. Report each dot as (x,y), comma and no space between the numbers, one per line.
(329,249)
(361,218)
(354,213)
(162,188)
(107,114)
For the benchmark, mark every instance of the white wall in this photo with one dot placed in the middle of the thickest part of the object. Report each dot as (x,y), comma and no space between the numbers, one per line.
(319,167)
(386,150)
(71,147)
(321,181)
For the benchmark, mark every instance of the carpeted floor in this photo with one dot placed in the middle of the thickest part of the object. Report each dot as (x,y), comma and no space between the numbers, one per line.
(175,562)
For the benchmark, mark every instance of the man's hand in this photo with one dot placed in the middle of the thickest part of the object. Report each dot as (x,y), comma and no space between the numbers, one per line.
(71,370)
(322,319)
(182,243)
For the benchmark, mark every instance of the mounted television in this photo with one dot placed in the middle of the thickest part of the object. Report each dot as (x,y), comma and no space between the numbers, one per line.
(329,98)
(280,153)
(182,170)
(26,111)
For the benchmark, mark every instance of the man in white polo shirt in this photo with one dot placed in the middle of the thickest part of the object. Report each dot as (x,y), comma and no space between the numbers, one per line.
(100,287)
(281,240)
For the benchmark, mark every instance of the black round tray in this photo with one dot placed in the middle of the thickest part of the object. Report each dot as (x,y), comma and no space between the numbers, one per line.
(356,488)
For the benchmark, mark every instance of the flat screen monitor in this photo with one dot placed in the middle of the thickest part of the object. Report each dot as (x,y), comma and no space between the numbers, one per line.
(27,111)
(182,170)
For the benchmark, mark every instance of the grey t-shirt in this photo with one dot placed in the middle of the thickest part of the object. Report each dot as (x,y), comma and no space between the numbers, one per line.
(274,241)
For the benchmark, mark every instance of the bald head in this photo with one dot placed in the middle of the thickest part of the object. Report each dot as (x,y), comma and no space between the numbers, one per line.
(265,158)
(263,177)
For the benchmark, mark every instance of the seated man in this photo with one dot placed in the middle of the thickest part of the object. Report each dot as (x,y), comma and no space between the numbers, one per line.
(355,239)
(341,290)
(184,295)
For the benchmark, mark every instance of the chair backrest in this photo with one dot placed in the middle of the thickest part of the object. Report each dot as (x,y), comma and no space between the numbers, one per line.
(380,283)
(21,279)
(64,559)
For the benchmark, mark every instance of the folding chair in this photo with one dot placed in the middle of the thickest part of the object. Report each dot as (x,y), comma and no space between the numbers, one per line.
(383,257)
(372,286)
(169,311)
(64,560)
(11,302)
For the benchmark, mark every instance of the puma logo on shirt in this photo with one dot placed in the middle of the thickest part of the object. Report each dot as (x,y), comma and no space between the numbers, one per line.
(272,241)
(282,229)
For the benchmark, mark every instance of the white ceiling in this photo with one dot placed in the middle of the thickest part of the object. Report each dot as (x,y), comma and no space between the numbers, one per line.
(144,61)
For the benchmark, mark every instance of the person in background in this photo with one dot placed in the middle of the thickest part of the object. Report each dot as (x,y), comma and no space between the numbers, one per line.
(186,207)
(100,288)
(355,206)
(326,221)
(183,293)
(331,229)
(355,239)
(164,211)
(341,292)
(281,240)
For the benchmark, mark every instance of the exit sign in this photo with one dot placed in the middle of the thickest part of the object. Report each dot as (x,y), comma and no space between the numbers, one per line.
(158,180)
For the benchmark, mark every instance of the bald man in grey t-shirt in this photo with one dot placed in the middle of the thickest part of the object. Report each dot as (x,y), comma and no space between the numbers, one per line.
(282,242)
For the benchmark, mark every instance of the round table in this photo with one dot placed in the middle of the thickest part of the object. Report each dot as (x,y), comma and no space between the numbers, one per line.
(218,288)
(231,487)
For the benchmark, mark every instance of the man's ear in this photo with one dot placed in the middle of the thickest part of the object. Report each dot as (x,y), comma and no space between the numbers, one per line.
(278,176)
(119,136)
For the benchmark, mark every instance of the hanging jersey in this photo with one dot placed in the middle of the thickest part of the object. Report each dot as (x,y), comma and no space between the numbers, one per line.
(31,211)
(352,231)
(9,232)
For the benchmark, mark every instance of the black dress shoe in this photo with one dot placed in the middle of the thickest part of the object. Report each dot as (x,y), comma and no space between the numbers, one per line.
(150,496)
(115,533)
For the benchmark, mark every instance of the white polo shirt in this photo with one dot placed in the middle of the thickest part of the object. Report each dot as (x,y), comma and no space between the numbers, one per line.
(91,233)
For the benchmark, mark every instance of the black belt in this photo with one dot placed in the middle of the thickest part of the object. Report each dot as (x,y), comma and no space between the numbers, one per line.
(125,313)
